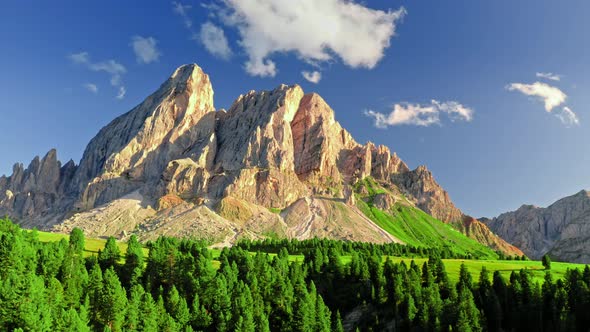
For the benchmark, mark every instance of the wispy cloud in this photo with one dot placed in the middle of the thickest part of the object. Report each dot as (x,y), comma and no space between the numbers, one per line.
(121,93)
(568,117)
(549,95)
(91,87)
(421,115)
(214,40)
(313,77)
(549,76)
(182,11)
(145,48)
(111,67)
(316,31)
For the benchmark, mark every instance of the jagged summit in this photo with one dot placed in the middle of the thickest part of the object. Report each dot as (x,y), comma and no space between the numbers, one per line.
(174,165)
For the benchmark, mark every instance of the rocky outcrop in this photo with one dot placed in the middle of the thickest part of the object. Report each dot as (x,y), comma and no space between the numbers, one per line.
(174,160)
(429,195)
(477,230)
(33,193)
(562,229)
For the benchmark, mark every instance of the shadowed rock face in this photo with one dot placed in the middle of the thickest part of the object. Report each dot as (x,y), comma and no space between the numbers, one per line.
(562,229)
(174,153)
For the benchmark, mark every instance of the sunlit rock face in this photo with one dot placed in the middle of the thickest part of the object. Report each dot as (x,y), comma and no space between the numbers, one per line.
(175,165)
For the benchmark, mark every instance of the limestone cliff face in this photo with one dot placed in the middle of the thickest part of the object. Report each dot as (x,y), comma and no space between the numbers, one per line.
(430,196)
(136,147)
(174,161)
(562,229)
(32,193)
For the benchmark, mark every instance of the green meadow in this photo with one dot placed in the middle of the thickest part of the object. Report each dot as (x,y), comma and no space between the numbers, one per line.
(506,267)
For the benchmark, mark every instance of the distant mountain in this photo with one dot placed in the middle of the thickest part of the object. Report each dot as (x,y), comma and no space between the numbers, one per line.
(275,164)
(562,229)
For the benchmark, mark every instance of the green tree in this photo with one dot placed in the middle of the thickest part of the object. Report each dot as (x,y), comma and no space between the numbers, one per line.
(110,255)
(546,261)
(178,308)
(113,301)
(77,241)
(132,269)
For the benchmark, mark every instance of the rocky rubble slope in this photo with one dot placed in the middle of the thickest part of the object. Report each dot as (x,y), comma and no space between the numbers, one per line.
(276,163)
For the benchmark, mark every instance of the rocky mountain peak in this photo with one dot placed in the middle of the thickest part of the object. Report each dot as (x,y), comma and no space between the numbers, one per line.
(174,158)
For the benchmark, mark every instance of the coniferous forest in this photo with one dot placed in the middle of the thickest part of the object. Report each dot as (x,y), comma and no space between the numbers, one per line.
(256,286)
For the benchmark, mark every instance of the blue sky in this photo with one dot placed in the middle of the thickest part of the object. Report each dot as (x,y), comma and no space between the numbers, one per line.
(493,149)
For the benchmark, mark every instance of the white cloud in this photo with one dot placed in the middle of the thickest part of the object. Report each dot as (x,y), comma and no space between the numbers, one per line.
(121,93)
(421,115)
(315,31)
(549,76)
(182,10)
(568,117)
(313,77)
(91,87)
(145,49)
(79,58)
(112,67)
(550,95)
(214,40)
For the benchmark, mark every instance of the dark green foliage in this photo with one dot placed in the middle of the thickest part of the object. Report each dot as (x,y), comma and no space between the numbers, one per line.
(546,261)
(110,255)
(50,286)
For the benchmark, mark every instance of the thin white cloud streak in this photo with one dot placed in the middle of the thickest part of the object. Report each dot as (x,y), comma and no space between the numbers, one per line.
(421,115)
(111,67)
(121,93)
(549,95)
(182,11)
(213,39)
(91,87)
(568,117)
(145,49)
(549,76)
(313,77)
(315,31)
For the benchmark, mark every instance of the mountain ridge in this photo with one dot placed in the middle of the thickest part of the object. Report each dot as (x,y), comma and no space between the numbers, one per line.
(179,163)
(560,229)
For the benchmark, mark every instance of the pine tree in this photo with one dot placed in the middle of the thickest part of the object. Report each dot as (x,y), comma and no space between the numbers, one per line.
(77,241)
(337,323)
(113,301)
(133,266)
(110,255)
(133,314)
(200,318)
(546,261)
(323,316)
(178,308)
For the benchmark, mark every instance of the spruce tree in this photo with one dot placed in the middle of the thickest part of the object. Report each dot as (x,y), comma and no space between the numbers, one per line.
(110,255)
(113,301)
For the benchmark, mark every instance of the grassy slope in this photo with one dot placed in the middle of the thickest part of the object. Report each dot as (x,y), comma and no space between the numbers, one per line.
(416,227)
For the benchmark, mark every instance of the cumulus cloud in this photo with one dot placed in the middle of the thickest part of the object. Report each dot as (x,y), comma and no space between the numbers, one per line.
(568,117)
(421,115)
(549,76)
(111,67)
(550,95)
(182,11)
(121,93)
(91,87)
(315,31)
(313,77)
(145,49)
(214,40)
